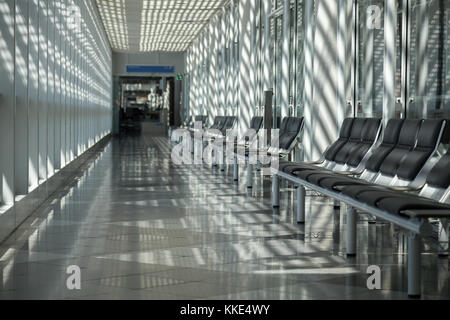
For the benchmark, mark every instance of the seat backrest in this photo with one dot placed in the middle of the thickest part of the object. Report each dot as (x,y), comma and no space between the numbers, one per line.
(256,123)
(291,129)
(427,141)
(390,140)
(284,124)
(295,125)
(368,136)
(188,121)
(201,119)
(439,176)
(344,135)
(229,123)
(371,130)
(353,143)
(219,122)
(357,130)
(406,142)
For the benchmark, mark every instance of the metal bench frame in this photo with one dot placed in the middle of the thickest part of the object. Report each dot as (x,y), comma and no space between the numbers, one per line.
(417,228)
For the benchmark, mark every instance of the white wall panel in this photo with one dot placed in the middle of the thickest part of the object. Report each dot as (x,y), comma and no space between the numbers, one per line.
(33,95)
(7,101)
(43,93)
(51,89)
(21,96)
(55,94)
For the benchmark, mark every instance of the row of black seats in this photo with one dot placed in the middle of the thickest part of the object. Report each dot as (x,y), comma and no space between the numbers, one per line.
(190,121)
(357,137)
(405,149)
(288,135)
(290,128)
(401,163)
(223,123)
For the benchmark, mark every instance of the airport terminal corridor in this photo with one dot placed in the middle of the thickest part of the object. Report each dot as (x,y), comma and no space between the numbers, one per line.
(332,117)
(140,227)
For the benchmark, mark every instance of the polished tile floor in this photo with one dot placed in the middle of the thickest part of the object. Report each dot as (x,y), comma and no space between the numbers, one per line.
(140,227)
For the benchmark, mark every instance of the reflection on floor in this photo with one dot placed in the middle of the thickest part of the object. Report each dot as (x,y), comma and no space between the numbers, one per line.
(141,228)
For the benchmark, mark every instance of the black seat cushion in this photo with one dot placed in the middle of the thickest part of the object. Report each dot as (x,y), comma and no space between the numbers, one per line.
(307,174)
(406,143)
(328,179)
(284,164)
(293,168)
(318,176)
(371,195)
(390,139)
(228,125)
(354,191)
(335,181)
(344,135)
(390,200)
(396,205)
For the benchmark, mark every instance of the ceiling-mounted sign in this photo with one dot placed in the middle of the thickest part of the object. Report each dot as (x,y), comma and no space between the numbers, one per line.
(150,69)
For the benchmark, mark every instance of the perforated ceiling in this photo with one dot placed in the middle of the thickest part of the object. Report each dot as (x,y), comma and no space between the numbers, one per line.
(155,25)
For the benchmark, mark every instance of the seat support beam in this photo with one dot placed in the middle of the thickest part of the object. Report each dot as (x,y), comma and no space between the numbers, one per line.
(275,191)
(414,277)
(351,231)
(301,205)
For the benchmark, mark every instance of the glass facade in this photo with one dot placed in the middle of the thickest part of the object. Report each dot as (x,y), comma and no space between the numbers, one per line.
(429,73)
(371,48)
(325,61)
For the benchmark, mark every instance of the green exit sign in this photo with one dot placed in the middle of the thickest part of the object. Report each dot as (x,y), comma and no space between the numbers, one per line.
(179,76)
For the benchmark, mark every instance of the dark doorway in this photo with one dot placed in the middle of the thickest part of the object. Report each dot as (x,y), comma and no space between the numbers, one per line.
(147,104)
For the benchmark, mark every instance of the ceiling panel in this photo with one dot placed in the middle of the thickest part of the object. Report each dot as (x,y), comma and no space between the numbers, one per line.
(155,25)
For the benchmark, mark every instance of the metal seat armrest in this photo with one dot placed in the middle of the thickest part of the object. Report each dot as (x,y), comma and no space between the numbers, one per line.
(407,188)
(350,173)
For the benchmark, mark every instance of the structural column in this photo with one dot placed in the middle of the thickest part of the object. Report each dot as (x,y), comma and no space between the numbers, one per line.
(247,102)
(390,59)
(285,58)
(324,111)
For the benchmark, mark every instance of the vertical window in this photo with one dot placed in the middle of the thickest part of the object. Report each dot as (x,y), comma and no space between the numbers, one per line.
(299,61)
(370,64)
(429,59)
(292,59)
